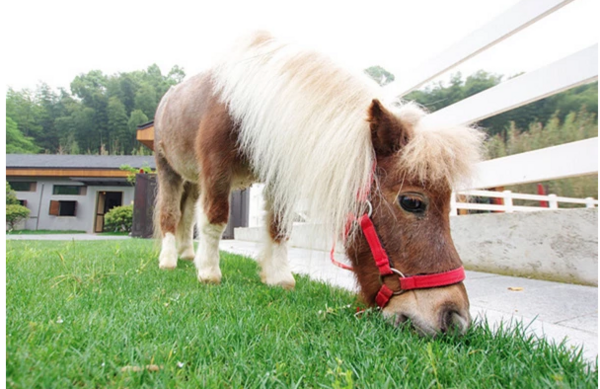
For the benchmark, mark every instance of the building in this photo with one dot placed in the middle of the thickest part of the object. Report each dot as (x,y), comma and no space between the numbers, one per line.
(71,192)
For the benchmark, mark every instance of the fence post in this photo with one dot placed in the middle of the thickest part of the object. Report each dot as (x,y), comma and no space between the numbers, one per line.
(453,208)
(552,201)
(589,202)
(508,203)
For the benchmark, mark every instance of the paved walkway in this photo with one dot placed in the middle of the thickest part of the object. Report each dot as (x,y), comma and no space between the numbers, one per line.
(551,309)
(66,237)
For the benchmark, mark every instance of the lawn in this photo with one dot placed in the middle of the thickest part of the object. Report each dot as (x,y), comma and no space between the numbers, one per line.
(43,232)
(101,314)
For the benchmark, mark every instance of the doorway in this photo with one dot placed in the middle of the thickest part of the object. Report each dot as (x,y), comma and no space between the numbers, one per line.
(106,202)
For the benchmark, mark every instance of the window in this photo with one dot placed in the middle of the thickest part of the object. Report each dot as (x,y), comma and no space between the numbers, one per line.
(22,186)
(23,202)
(63,208)
(68,190)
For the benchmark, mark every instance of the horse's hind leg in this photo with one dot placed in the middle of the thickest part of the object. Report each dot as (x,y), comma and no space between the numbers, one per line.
(273,259)
(212,220)
(185,229)
(168,211)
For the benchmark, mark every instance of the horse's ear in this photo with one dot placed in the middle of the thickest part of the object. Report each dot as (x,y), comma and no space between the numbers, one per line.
(388,133)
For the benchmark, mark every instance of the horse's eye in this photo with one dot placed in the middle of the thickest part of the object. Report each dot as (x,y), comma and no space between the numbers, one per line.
(412,204)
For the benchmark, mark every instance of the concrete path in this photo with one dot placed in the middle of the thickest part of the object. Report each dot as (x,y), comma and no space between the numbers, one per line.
(66,237)
(551,309)
(554,310)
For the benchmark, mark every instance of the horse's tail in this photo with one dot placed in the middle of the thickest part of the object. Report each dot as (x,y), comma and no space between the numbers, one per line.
(156,230)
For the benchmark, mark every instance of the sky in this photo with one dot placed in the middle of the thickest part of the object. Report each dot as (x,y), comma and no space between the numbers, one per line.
(54,41)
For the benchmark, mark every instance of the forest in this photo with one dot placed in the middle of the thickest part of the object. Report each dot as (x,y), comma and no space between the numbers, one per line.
(100,113)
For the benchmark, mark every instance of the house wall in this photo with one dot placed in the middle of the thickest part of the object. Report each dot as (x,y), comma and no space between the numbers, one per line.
(38,202)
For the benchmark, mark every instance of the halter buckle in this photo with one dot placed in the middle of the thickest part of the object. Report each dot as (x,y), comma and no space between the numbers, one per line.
(399,274)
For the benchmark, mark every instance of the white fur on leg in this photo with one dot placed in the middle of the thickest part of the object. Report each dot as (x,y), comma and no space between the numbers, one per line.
(186,251)
(168,253)
(207,257)
(185,231)
(275,267)
(185,244)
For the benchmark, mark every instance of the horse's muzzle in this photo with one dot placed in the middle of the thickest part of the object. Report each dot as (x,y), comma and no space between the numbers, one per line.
(432,311)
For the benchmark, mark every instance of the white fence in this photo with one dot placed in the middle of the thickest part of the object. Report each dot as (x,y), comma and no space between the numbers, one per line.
(508,205)
(568,160)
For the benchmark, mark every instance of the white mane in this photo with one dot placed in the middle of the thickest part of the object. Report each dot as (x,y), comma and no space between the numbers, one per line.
(303,125)
(439,155)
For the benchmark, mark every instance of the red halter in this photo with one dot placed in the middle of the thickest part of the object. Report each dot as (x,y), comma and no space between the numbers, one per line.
(383,264)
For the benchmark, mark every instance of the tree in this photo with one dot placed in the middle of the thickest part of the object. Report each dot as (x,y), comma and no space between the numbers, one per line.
(575,126)
(439,95)
(136,118)
(21,107)
(91,89)
(146,100)
(16,142)
(47,101)
(175,76)
(117,123)
(379,74)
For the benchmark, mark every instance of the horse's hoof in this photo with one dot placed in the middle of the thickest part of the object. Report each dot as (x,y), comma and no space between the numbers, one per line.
(167,266)
(166,261)
(285,281)
(187,256)
(209,277)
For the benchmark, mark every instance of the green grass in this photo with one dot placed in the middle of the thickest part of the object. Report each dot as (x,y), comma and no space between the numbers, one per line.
(79,312)
(44,232)
(114,233)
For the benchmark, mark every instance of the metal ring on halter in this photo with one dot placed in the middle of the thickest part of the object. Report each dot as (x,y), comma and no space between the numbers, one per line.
(370,212)
(399,274)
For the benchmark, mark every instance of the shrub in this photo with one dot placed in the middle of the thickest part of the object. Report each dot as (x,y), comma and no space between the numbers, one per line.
(119,219)
(131,171)
(11,198)
(14,214)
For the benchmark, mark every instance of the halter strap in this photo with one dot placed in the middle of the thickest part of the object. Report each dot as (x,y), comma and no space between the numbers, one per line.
(379,255)
(383,262)
(406,283)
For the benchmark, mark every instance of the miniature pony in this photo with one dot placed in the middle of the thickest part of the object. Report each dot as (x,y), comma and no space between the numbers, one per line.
(316,134)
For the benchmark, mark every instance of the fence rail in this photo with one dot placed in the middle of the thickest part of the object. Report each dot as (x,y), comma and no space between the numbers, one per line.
(513,20)
(574,159)
(508,205)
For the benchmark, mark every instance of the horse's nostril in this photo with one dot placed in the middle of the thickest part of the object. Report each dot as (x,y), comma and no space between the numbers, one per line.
(400,319)
(449,320)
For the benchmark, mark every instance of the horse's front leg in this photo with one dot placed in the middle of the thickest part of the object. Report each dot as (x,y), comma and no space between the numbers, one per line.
(212,220)
(273,259)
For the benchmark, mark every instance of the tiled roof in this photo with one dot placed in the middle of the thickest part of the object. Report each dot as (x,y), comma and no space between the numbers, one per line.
(51,161)
(145,125)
